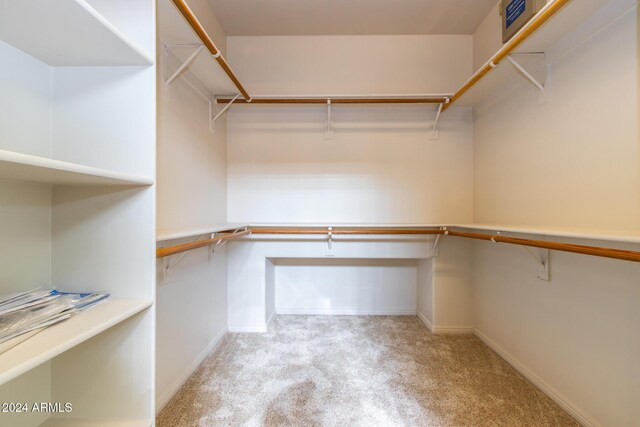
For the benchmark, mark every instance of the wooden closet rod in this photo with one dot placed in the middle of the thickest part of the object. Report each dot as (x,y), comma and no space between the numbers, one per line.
(547,13)
(206,40)
(337,101)
(336,231)
(226,235)
(556,246)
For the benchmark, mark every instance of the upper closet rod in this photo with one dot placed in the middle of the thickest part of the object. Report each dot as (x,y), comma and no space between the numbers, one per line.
(546,13)
(206,40)
(338,100)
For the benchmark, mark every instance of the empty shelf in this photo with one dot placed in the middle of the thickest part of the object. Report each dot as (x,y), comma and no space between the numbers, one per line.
(66,33)
(61,337)
(25,167)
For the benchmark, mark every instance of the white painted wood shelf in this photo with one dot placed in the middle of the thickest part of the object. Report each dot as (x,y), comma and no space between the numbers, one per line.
(179,233)
(24,167)
(61,337)
(67,33)
(500,80)
(175,33)
(88,422)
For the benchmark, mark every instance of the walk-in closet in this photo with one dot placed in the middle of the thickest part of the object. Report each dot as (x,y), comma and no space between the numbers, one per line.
(319,213)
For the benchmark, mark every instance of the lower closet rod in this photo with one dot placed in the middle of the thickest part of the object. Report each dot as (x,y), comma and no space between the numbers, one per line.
(172,250)
(556,246)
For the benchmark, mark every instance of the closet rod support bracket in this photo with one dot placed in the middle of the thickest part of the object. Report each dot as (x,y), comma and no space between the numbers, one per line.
(184,65)
(212,120)
(329,242)
(436,242)
(328,133)
(435,135)
(524,72)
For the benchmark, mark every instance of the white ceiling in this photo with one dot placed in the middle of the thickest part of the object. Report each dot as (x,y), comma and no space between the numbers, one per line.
(350,17)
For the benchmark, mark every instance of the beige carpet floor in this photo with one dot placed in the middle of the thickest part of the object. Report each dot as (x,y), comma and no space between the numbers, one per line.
(357,371)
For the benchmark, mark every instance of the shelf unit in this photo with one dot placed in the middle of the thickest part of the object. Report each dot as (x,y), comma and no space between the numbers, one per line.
(25,167)
(77,203)
(63,24)
(56,339)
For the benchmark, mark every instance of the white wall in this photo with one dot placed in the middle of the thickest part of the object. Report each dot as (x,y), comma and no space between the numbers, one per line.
(573,161)
(346,286)
(250,279)
(332,65)
(191,191)
(381,165)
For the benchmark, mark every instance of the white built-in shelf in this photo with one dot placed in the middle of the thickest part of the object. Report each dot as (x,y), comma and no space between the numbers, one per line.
(25,167)
(88,422)
(178,36)
(59,338)
(179,233)
(67,33)
(599,13)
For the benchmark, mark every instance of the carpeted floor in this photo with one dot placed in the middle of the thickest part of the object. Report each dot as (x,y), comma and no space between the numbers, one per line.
(357,371)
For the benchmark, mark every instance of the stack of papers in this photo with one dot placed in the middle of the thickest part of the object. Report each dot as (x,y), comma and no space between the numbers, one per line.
(25,314)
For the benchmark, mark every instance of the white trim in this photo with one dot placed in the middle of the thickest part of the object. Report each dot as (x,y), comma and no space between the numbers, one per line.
(162,401)
(271,319)
(445,329)
(453,330)
(426,321)
(257,327)
(350,311)
(562,401)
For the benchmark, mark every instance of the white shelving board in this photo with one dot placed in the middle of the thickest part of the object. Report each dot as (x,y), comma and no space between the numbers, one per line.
(175,32)
(567,20)
(66,33)
(23,167)
(59,338)
(87,422)
(179,233)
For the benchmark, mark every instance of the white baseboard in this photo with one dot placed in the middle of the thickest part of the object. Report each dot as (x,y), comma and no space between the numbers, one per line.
(270,320)
(425,321)
(248,328)
(572,409)
(445,329)
(166,396)
(349,312)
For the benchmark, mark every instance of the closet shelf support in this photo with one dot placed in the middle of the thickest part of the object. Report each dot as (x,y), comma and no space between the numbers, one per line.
(328,134)
(524,72)
(212,120)
(434,130)
(184,65)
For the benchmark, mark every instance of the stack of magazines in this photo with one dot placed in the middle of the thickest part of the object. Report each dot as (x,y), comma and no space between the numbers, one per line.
(25,314)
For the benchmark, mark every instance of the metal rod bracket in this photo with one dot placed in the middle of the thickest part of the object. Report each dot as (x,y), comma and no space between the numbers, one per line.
(524,72)
(329,242)
(435,134)
(328,133)
(184,65)
(212,120)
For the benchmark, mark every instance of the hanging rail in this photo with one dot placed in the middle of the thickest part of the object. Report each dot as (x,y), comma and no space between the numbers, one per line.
(546,13)
(226,235)
(544,244)
(202,34)
(556,246)
(336,231)
(334,100)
